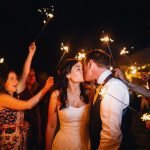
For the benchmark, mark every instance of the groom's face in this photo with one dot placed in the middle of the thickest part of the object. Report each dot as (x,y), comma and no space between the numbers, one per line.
(87,71)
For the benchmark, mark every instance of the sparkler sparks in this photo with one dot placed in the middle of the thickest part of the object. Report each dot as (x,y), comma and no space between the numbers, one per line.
(80,55)
(47,12)
(124,51)
(133,69)
(107,39)
(65,50)
(48,15)
(145,117)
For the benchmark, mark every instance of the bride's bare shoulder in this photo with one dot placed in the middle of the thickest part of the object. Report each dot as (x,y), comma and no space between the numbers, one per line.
(56,96)
(55,93)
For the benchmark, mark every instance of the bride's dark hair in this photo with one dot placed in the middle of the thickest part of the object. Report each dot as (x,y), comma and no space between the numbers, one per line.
(62,83)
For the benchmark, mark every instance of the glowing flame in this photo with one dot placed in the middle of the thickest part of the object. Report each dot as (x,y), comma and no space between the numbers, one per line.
(64,48)
(111,68)
(80,55)
(145,117)
(106,39)
(124,51)
(50,15)
(47,12)
(133,69)
(1,60)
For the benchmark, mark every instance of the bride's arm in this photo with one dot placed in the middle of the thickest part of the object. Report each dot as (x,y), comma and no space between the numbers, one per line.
(52,120)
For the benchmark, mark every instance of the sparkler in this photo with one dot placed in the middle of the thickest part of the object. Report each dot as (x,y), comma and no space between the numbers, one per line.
(65,50)
(145,117)
(80,55)
(124,52)
(106,39)
(48,14)
(133,69)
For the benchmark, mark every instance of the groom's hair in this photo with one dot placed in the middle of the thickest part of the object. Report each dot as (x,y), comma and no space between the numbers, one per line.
(100,57)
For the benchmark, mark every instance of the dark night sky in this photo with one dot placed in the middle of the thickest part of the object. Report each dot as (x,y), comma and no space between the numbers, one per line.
(77,22)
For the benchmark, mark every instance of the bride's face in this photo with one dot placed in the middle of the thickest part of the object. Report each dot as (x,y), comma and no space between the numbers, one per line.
(76,74)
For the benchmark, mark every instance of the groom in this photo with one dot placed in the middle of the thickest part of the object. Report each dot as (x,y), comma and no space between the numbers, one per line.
(109,104)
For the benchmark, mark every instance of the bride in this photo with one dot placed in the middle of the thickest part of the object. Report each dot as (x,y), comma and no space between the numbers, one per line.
(69,104)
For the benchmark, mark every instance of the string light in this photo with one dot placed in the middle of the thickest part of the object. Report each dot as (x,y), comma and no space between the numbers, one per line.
(111,68)
(1,60)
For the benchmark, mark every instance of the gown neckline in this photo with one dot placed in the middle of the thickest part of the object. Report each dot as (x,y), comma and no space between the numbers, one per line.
(78,107)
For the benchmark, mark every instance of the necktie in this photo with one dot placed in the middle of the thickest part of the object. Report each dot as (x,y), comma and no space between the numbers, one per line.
(97,92)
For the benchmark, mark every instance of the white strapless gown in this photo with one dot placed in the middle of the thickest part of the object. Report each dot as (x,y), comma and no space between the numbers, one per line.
(73,133)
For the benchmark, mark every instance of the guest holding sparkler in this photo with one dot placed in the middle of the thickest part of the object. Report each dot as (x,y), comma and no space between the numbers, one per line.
(13,129)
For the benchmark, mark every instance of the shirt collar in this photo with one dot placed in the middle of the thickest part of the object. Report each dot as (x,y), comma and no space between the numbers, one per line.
(103,76)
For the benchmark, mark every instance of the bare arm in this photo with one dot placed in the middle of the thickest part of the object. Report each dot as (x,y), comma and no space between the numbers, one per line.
(26,68)
(7,101)
(139,89)
(134,87)
(118,73)
(52,120)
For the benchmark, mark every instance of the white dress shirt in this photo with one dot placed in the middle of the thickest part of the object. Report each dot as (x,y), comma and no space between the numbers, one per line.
(115,97)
